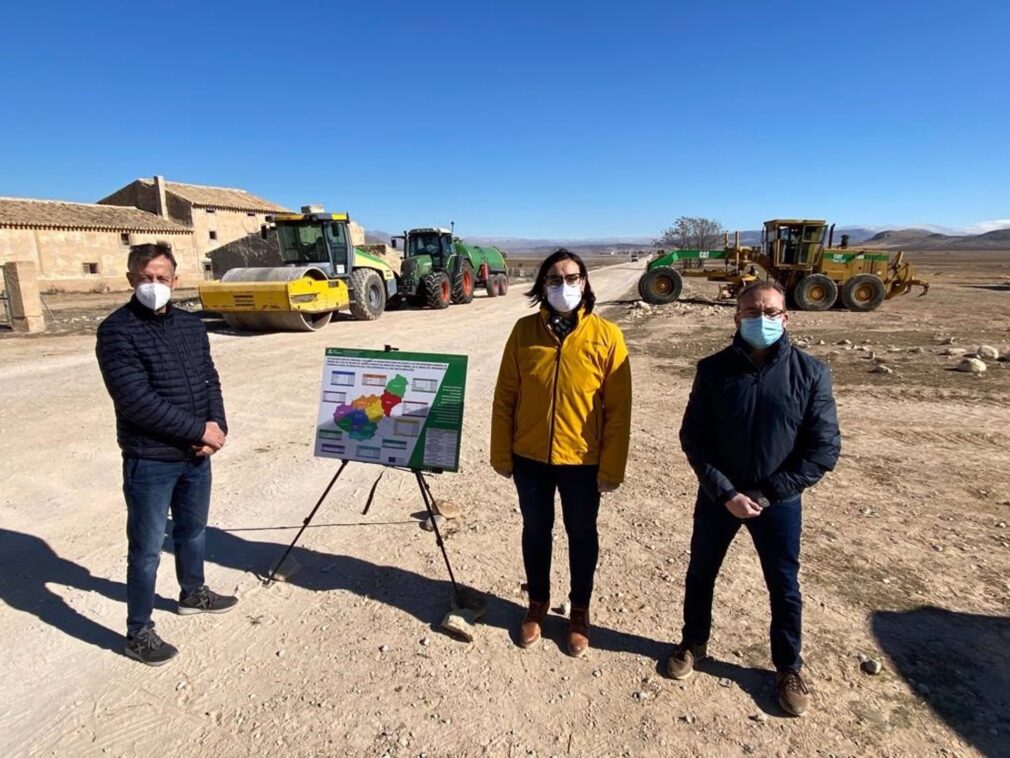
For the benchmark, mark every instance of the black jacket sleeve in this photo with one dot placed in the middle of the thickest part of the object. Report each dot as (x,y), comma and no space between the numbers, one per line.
(134,398)
(696,441)
(215,401)
(817,445)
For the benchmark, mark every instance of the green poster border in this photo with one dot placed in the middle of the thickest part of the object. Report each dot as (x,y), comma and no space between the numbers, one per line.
(455,376)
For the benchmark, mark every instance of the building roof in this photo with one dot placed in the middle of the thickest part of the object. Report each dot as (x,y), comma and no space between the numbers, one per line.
(225,198)
(23,213)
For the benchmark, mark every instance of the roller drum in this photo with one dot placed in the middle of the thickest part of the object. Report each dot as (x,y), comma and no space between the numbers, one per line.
(274,274)
(277,321)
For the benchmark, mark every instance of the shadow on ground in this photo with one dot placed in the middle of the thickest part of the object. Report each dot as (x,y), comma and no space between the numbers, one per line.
(29,567)
(426,598)
(959,664)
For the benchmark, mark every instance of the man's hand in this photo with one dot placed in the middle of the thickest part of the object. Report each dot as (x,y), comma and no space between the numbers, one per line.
(203,451)
(505,471)
(213,436)
(605,486)
(742,506)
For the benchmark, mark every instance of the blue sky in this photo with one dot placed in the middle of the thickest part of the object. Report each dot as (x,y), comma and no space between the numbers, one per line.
(522,119)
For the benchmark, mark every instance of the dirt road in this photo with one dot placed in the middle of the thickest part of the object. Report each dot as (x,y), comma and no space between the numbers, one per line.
(905,561)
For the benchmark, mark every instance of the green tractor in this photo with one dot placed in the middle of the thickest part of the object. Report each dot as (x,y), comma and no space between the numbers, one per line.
(439,269)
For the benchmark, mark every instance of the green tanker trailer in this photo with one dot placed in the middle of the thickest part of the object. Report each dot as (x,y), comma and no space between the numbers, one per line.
(439,269)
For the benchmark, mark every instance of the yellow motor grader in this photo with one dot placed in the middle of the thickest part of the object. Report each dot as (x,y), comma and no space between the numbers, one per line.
(793,252)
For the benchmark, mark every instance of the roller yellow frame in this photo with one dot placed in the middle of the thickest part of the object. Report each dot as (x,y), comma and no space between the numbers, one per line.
(302,294)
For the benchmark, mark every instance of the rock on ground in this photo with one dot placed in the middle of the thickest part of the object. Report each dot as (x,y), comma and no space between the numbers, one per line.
(972,366)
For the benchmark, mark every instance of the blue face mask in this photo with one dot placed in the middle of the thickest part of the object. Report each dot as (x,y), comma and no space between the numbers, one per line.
(761,332)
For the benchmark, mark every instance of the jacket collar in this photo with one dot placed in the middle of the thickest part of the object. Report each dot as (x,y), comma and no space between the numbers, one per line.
(545,316)
(778,352)
(146,314)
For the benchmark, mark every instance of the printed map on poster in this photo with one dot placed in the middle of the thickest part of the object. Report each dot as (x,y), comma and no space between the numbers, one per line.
(392,408)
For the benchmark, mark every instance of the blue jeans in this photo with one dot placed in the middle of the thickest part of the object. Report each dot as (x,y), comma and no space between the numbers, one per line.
(776,536)
(536,484)
(152,488)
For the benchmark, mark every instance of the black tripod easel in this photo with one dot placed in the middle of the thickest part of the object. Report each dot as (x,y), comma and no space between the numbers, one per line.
(429,502)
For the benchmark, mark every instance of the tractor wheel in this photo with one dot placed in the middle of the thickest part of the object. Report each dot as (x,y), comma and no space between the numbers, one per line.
(492,285)
(368,294)
(661,285)
(863,292)
(462,287)
(437,290)
(503,284)
(815,292)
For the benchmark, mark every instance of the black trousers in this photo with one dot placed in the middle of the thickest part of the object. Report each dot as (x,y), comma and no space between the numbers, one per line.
(536,484)
(776,535)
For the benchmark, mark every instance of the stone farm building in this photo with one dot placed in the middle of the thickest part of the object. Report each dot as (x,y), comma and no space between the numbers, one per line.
(81,247)
(217,215)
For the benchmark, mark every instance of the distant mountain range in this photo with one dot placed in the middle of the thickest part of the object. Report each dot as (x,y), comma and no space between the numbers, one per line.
(531,247)
(923,239)
(904,239)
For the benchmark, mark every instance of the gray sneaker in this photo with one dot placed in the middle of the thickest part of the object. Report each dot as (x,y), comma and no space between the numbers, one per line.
(205,601)
(147,647)
(680,664)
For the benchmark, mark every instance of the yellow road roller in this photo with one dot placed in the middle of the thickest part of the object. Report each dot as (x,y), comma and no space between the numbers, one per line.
(322,273)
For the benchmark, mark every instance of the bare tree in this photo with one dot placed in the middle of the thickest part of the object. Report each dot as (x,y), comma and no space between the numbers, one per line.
(693,233)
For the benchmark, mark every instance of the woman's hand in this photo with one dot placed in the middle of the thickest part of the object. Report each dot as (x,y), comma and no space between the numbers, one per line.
(605,486)
(505,471)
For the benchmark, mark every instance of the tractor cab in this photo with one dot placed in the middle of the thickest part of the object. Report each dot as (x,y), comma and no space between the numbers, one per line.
(434,242)
(315,239)
(794,243)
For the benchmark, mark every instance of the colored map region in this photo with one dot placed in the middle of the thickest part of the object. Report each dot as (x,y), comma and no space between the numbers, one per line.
(360,419)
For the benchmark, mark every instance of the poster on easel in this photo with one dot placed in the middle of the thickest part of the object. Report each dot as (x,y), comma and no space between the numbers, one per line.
(392,408)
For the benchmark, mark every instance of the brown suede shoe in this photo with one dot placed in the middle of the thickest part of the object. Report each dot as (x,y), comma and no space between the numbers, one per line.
(794,697)
(680,664)
(529,630)
(578,631)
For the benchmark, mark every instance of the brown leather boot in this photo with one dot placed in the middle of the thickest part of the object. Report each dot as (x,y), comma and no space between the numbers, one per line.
(578,631)
(529,630)
(794,697)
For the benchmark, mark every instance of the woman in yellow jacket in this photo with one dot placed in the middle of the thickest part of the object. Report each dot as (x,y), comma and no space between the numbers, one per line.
(561,422)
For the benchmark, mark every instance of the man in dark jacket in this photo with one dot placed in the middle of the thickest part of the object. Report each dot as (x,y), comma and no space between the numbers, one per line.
(760,427)
(156,363)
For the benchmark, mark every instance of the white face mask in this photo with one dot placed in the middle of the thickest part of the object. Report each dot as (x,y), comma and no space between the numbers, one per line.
(153,295)
(564,297)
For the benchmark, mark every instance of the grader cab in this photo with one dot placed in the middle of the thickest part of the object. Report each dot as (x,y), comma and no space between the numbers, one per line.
(800,255)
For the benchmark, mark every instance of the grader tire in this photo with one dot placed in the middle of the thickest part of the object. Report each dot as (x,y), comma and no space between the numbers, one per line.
(660,285)
(368,294)
(863,293)
(437,290)
(462,286)
(815,292)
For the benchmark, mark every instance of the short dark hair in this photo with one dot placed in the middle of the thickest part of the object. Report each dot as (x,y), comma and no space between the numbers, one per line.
(536,292)
(766,284)
(141,255)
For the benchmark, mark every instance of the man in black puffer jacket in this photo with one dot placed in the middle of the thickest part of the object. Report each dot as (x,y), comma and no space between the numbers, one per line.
(156,363)
(759,428)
